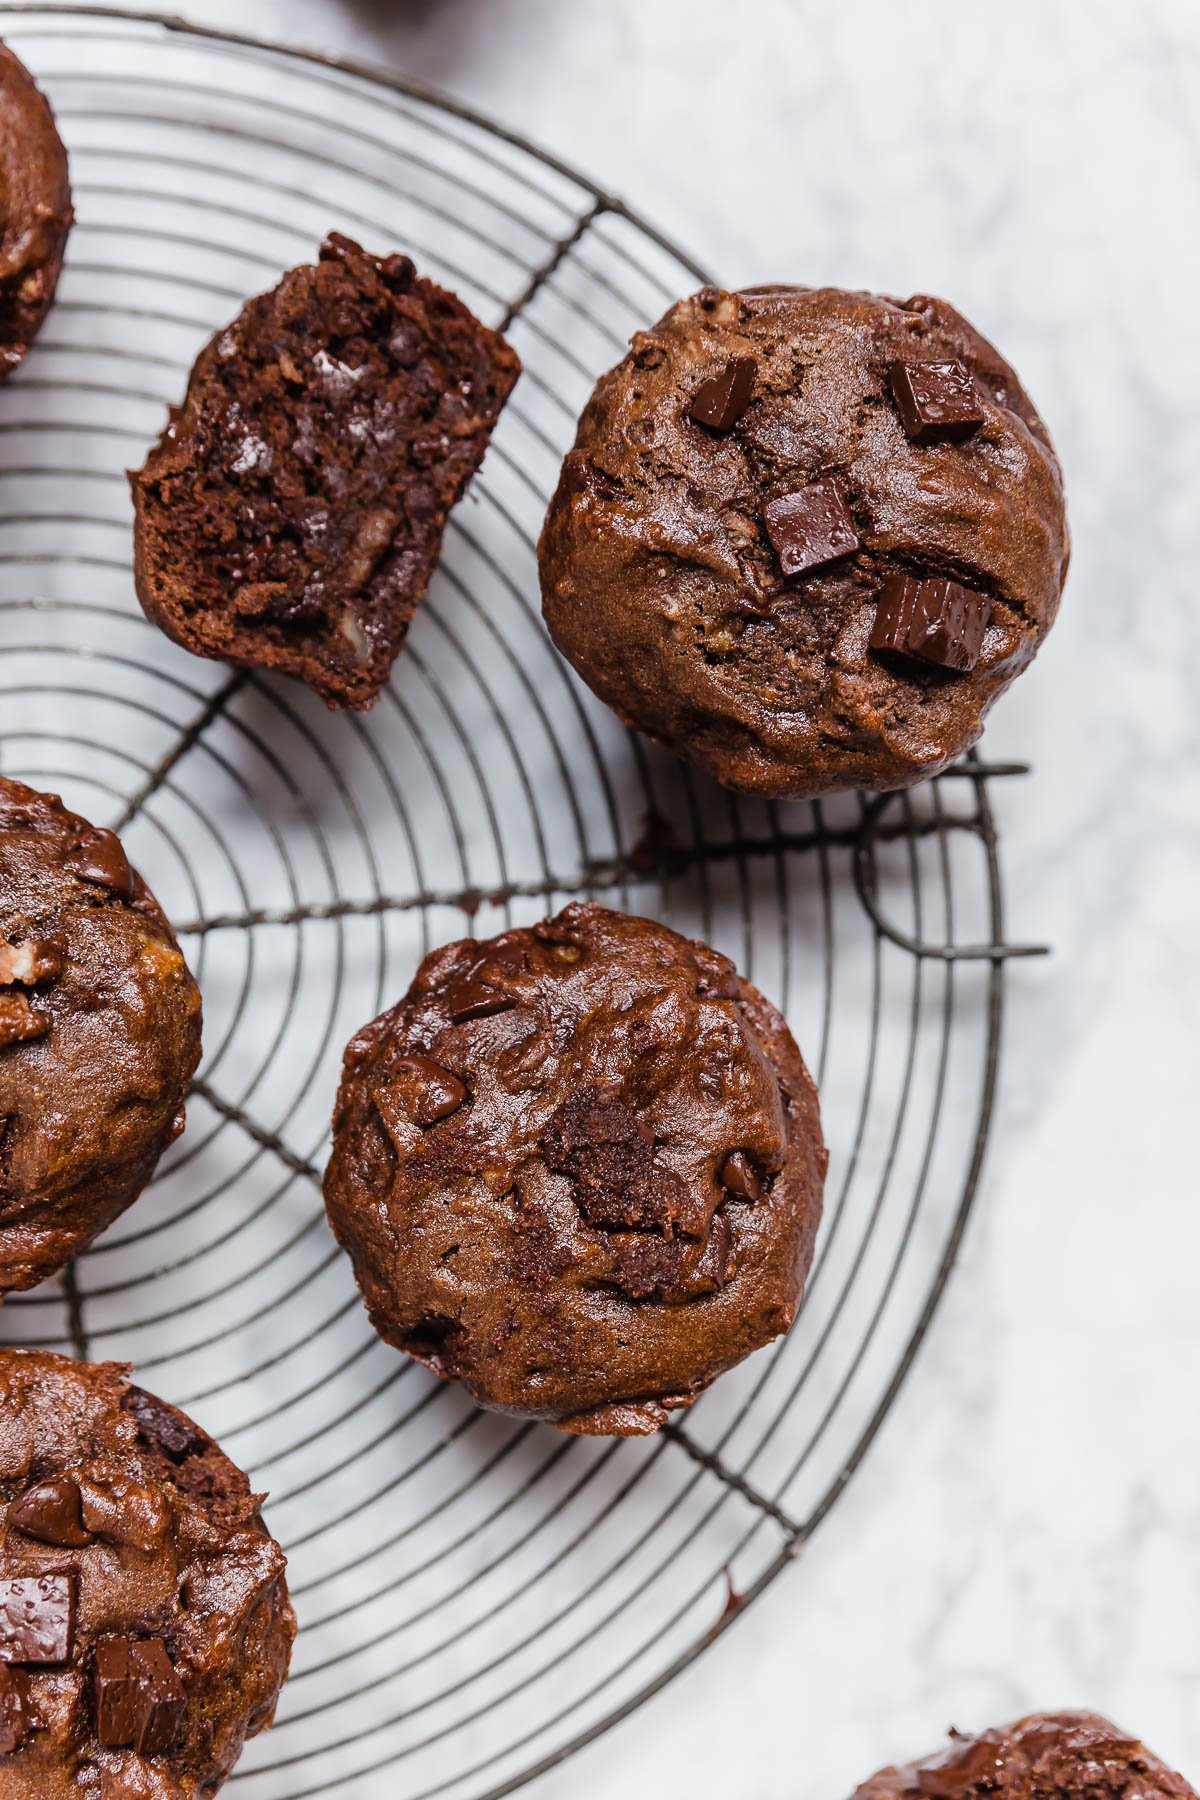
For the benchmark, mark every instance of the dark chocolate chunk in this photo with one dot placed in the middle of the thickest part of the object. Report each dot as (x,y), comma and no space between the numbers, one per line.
(20,1021)
(51,1511)
(15,1720)
(810,527)
(34,961)
(98,857)
(139,1696)
(974,1762)
(37,1618)
(475,998)
(433,1092)
(740,1178)
(933,619)
(937,401)
(720,401)
(162,1427)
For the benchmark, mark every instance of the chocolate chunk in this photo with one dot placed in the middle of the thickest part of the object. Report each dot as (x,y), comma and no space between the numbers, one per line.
(810,527)
(99,858)
(432,1092)
(34,961)
(19,1021)
(51,1511)
(974,1762)
(162,1427)
(608,1154)
(37,1618)
(740,1178)
(720,401)
(933,619)
(125,1511)
(139,1696)
(937,401)
(15,1720)
(475,998)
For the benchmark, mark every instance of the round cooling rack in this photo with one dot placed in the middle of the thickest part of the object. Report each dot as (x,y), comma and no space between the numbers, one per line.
(477,1597)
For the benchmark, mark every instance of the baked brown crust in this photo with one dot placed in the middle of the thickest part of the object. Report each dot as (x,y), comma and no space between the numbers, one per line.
(1047,1756)
(661,584)
(578,1168)
(99,1034)
(293,511)
(167,1545)
(37,213)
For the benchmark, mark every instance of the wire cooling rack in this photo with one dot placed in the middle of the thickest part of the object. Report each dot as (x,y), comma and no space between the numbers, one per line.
(478,1597)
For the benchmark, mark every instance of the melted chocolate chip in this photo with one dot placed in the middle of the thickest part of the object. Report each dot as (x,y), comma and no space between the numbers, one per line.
(139,1697)
(433,1092)
(51,1511)
(37,1618)
(977,1762)
(937,401)
(810,527)
(933,619)
(720,401)
(474,997)
(20,1021)
(15,1720)
(99,858)
(740,1178)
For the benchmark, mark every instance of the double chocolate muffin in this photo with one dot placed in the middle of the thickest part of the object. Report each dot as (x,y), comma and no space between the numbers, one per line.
(145,1626)
(578,1168)
(292,513)
(99,1034)
(805,537)
(35,209)
(1049,1756)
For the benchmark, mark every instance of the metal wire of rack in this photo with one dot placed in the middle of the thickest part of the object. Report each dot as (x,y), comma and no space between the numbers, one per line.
(478,1597)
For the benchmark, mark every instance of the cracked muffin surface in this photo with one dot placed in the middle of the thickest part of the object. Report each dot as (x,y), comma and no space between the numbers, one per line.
(99,1034)
(749,489)
(578,1168)
(145,1626)
(1047,1756)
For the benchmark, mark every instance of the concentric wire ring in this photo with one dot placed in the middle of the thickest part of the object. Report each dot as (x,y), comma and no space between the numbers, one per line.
(478,1597)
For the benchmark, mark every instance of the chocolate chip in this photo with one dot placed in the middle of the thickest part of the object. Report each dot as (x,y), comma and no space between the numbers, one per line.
(37,1618)
(473,998)
(99,858)
(139,1696)
(433,1093)
(19,1021)
(810,527)
(34,961)
(720,401)
(160,1426)
(740,1178)
(15,1720)
(937,401)
(51,1511)
(933,619)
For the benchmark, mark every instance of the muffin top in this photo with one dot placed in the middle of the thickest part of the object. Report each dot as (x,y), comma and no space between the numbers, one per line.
(145,1627)
(99,1033)
(749,492)
(1048,1756)
(578,1168)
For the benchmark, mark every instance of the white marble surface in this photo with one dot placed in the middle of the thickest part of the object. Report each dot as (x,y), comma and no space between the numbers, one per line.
(1027,1530)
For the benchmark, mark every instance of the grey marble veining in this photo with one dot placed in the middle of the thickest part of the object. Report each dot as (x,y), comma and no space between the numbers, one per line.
(1027,1530)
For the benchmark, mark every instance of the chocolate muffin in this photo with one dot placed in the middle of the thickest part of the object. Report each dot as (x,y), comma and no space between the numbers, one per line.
(291,515)
(99,1034)
(806,537)
(578,1168)
(1049,1756)
(35,209)
(145,1626)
